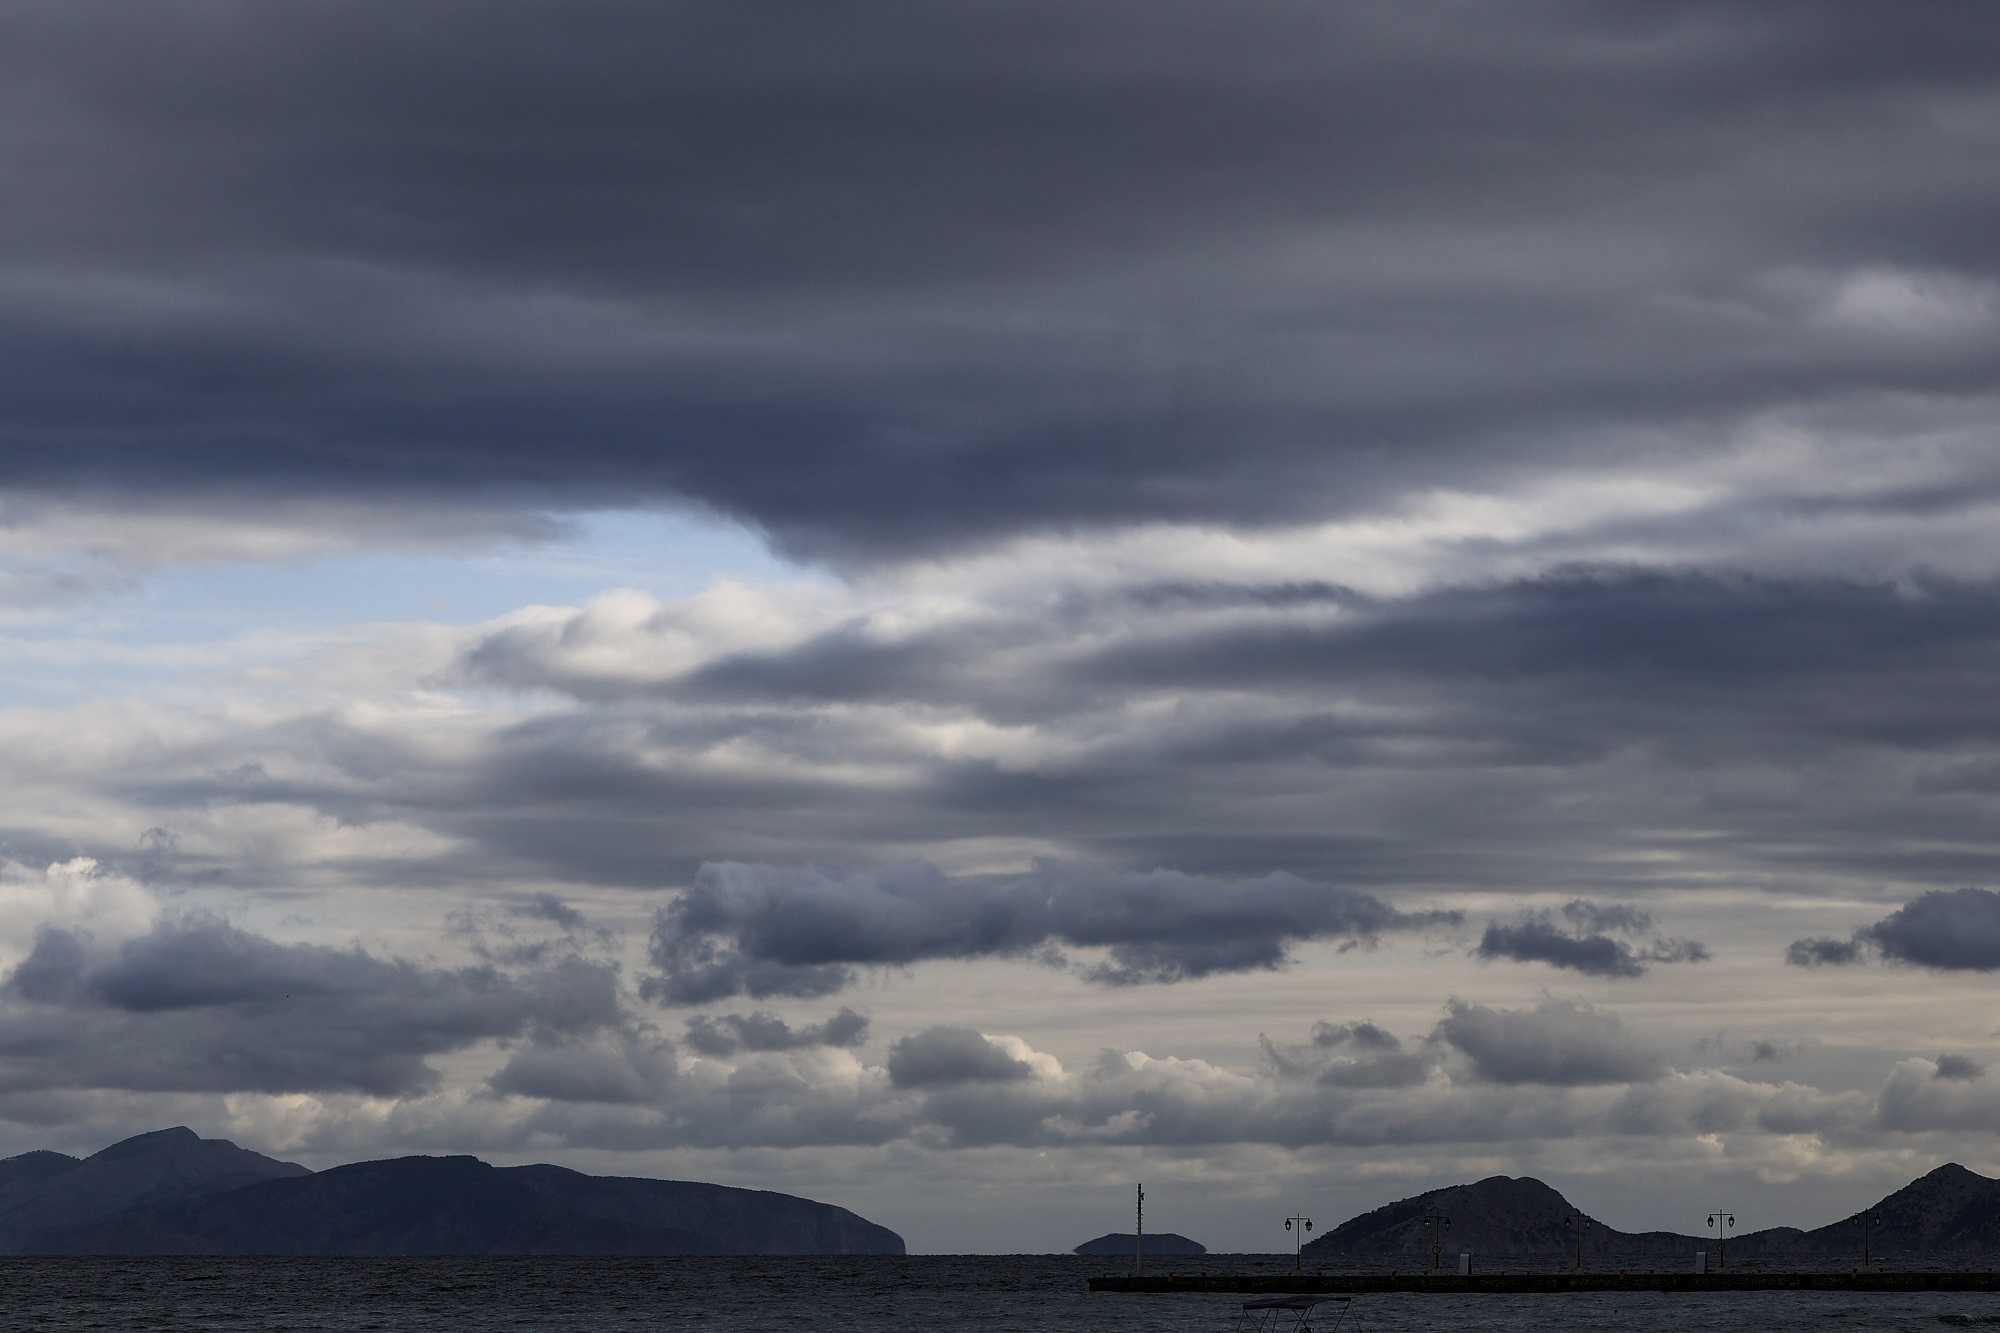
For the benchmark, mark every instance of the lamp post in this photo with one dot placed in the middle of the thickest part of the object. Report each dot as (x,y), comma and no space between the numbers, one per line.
(1304,1224)
(1867,1217)
(1578,1223)
(1438,1224)
(1139,1234)
(1721,1221)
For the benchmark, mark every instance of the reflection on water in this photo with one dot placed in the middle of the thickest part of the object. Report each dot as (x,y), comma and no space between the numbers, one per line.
(925,1292)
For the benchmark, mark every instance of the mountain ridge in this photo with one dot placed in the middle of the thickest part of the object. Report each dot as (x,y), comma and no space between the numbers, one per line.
(172,1192)
(1948,1210)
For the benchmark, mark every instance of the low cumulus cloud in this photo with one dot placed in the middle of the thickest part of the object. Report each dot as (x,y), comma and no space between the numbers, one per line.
(1951,1094)
(1359,1054)
(1949,930)
(768,930)
(726,1034)
(1482,1076)
(1586,944)
(614,1065)
(1560,1042)
(949,1055)
(197,1004)
(1959,1066)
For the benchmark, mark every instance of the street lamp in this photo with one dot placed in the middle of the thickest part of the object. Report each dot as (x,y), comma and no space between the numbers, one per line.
(1721,1221)
(1438,1224)
(1867,1218)
(1305,1224)
(1578,1223)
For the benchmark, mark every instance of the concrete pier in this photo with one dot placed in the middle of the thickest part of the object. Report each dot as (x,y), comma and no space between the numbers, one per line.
(1518,1284)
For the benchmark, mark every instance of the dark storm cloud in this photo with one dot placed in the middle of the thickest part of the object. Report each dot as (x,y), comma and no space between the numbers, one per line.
(727,1034)
(947,1055)
(1678,639)
(1951,930)
(199,1005)
(1362,1035)
(1597,917)
(879,281)
(1563,1042)
(1823,952)
(1959,1066)
(1535,938)
(800,930)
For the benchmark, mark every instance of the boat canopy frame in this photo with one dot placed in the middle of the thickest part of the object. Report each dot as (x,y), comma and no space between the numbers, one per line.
(1268,1314)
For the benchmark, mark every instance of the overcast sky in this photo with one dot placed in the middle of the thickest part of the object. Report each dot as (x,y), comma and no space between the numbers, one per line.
(951,607)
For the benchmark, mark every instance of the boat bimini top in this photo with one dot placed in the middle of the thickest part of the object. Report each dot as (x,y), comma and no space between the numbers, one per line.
(1287,1314)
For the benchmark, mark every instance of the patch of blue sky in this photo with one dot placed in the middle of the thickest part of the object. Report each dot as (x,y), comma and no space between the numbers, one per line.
(178,623)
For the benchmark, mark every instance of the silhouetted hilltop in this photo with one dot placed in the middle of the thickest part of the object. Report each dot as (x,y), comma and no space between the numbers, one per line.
(1949,1211)
(1498,1216)
(40,1191)
(1119,1243)
(157,1194)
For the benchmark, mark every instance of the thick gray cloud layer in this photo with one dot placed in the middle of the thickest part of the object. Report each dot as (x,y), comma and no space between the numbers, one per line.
(1534,731)
(1577,423)
(196,1004)
(800,930)
(875,281)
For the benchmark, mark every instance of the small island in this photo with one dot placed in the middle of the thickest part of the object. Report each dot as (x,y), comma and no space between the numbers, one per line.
(1121,1243)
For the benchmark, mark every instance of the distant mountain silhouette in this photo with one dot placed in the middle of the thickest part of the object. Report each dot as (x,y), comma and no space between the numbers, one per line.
(40,1191)
(1120,1243)
(1498,1216)
(1950,1211)
(173,1193)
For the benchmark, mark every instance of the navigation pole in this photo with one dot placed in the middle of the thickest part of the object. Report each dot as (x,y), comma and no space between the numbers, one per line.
(1139,1235)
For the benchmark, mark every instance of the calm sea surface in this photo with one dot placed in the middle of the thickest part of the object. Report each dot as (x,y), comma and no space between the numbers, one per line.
(921,1293)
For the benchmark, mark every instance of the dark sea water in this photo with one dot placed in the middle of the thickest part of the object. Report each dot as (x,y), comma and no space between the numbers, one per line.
(920,1294)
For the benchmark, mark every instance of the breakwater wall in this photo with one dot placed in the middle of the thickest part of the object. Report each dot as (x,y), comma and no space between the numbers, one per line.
(1517,1284)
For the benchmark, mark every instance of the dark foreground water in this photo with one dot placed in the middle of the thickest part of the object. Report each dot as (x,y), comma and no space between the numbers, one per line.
(920,1294)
